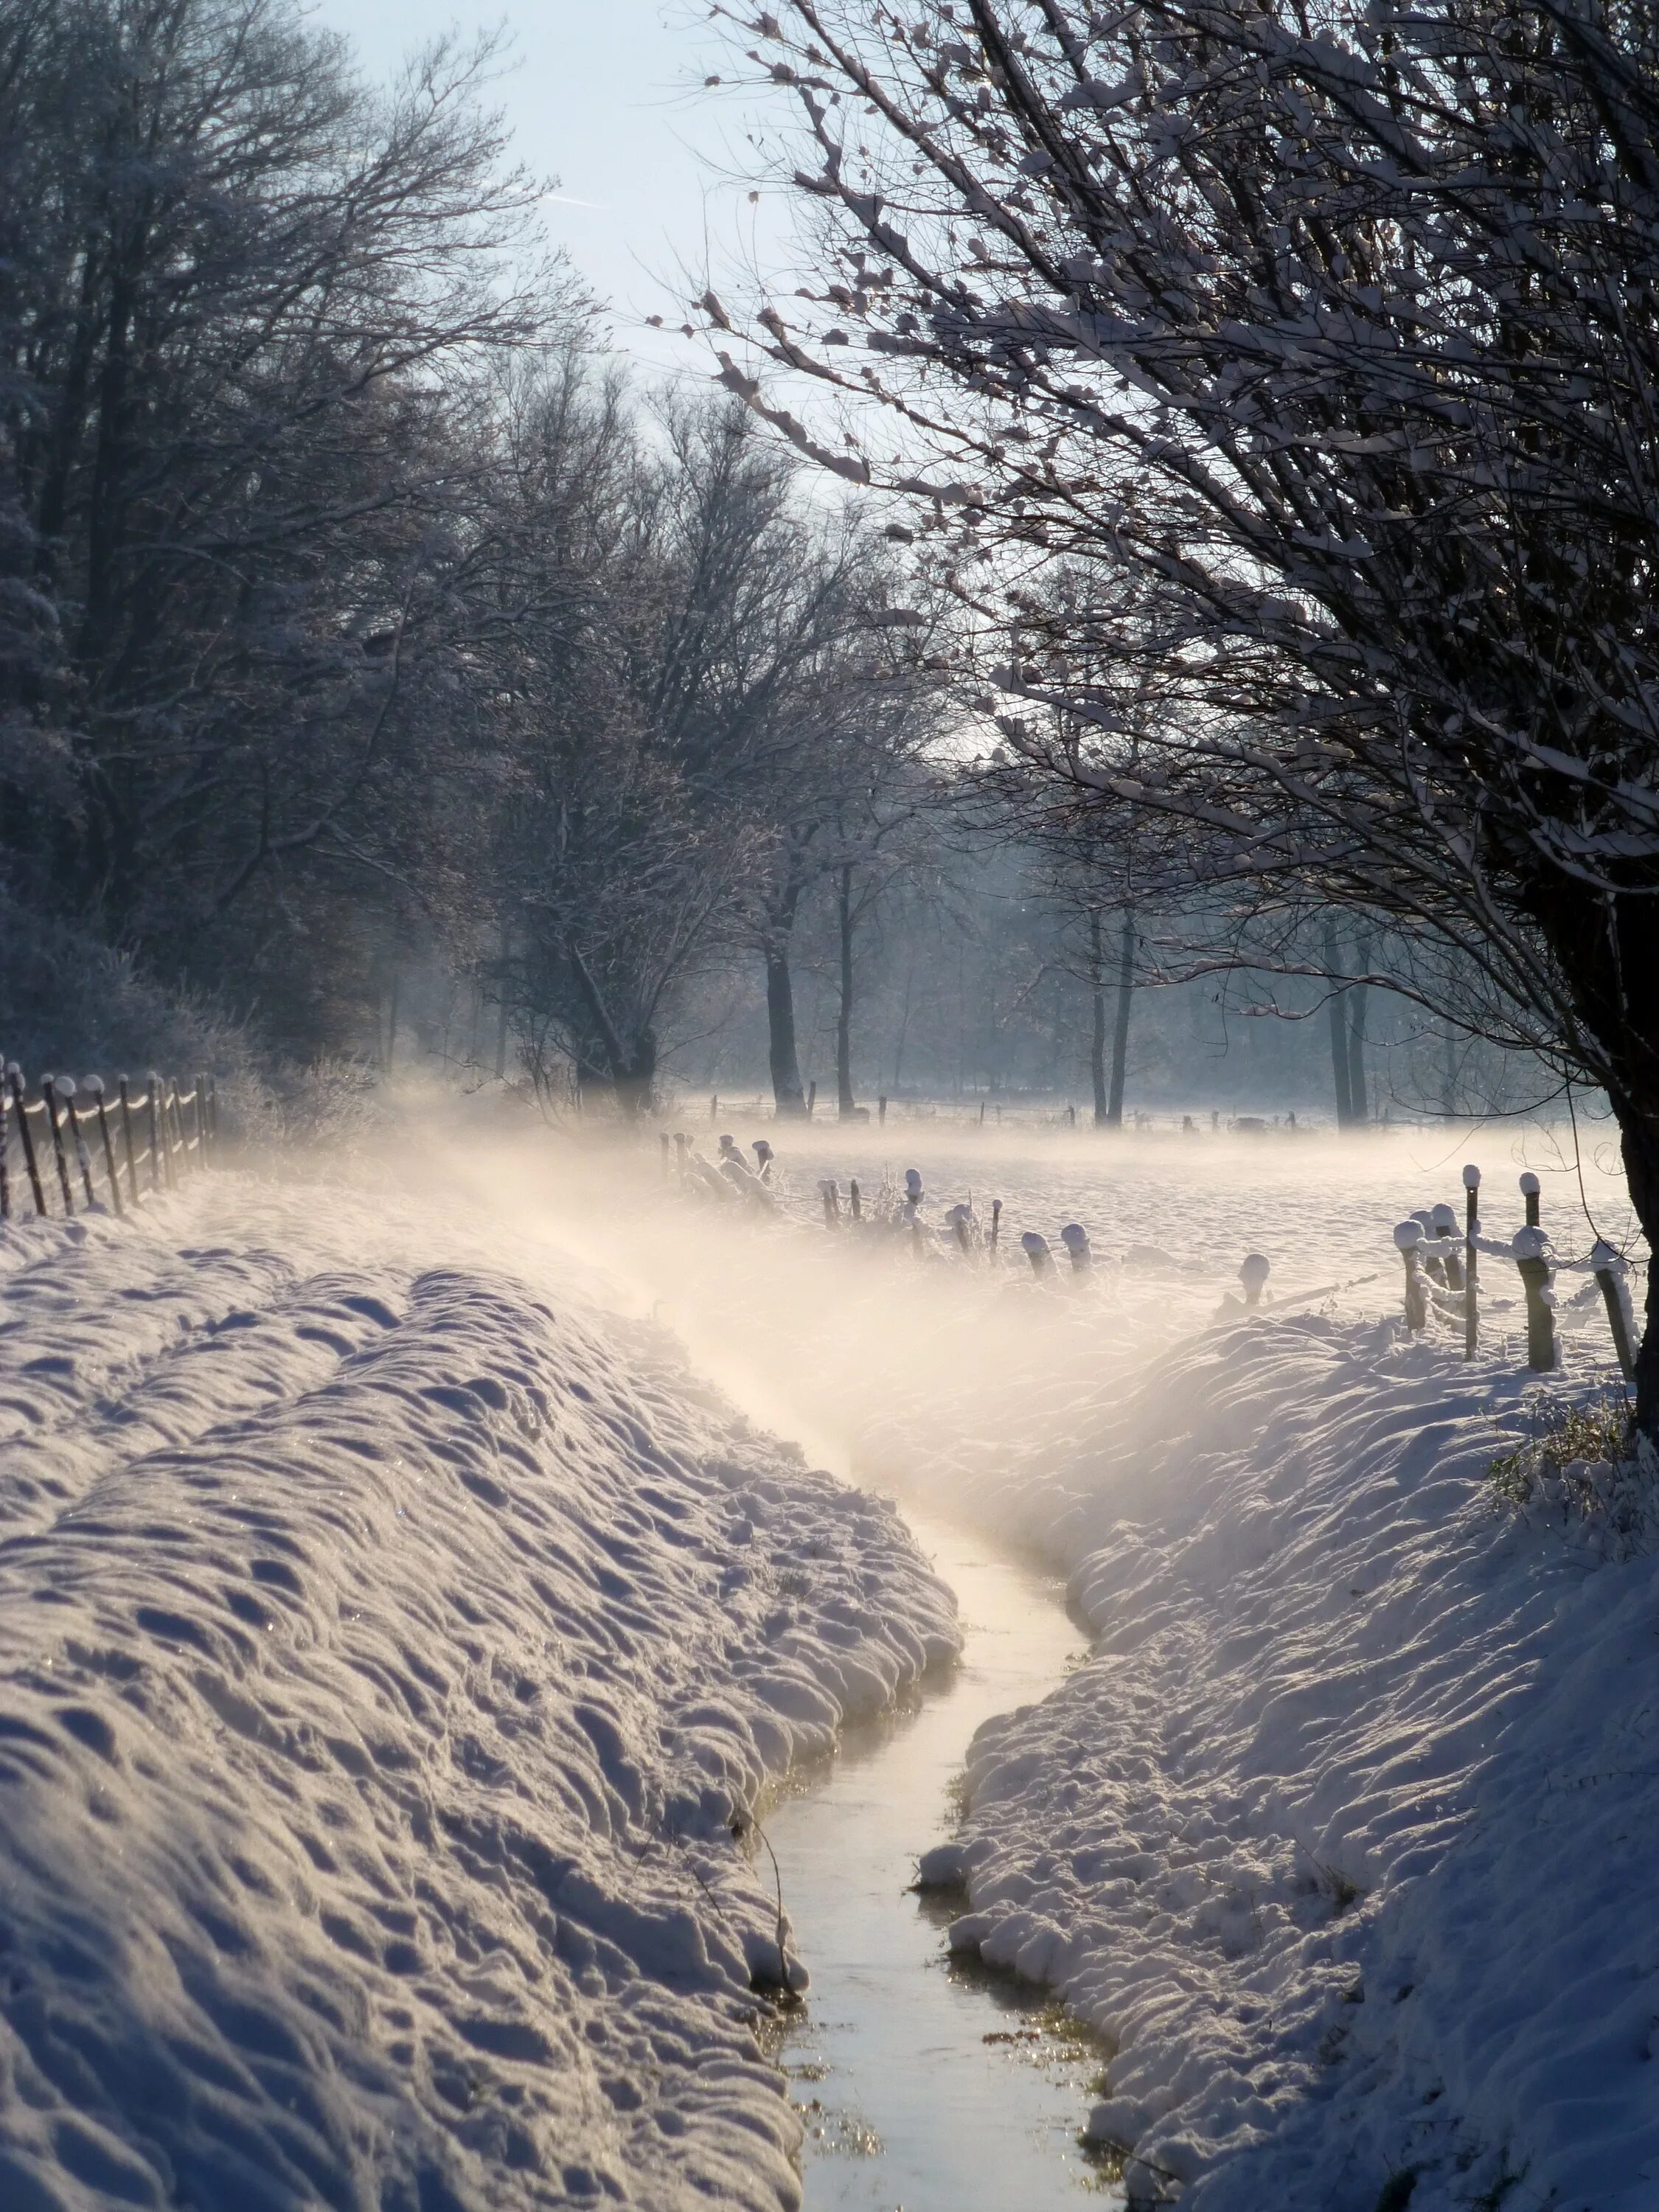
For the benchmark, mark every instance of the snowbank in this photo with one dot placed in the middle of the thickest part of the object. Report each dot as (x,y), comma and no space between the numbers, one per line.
(1347,1835)
(389,1650)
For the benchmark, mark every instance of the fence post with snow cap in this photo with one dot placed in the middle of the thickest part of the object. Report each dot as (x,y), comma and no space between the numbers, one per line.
(26,1135)
(763,1158)
(830,1192)
(1036,1250)
(1408,1236)
(1529,1189)
(49,1092)
(96,1092)
(1253,1273)
(959,1217)
(663,1152)
(1531,1249)
(1471,1259)
(1075,1237)
(996,1224)
(1614,1277)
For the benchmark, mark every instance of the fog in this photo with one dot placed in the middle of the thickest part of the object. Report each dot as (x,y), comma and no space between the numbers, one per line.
(907,1365)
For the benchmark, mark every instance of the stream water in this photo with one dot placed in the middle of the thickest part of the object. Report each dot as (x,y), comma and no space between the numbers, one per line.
(927,2083)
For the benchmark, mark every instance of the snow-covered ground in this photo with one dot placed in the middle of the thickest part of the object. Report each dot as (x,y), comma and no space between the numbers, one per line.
(392,1639)
(1344,1835)
(394,1627)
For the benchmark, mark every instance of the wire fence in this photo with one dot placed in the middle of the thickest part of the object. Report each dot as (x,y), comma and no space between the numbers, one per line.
(1441,1253)
(82,1147)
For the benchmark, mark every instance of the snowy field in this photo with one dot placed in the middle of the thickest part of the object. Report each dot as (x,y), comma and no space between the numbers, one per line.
(392,1639)
(1343,1837)
(396,1627)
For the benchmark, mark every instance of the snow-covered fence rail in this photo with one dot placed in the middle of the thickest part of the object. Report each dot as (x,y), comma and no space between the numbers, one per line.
(65,1140)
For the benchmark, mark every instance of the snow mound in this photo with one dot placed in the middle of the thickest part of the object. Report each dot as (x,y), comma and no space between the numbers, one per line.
(390,1652)
(1344,1835)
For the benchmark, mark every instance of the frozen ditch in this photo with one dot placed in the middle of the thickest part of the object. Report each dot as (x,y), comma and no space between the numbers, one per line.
(922,2080)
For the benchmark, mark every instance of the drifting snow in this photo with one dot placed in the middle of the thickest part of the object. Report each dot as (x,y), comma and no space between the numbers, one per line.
(390,1649)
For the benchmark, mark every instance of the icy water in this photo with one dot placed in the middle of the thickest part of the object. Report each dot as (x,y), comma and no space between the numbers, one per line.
(926,2083)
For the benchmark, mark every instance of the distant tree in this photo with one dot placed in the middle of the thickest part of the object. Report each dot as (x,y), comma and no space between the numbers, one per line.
(1338,335)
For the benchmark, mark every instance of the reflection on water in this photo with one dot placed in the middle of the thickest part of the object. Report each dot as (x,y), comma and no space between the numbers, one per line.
(926,2082)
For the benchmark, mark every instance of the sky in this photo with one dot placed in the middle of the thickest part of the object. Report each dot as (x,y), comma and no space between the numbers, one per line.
(606,95)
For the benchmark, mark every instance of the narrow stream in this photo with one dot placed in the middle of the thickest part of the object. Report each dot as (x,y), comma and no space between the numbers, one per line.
(926,2083)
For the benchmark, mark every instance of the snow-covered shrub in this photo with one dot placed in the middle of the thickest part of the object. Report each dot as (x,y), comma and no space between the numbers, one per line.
(1581,1465)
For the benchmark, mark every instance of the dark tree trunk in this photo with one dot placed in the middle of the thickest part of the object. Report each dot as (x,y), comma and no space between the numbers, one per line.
(1359,1104)
(1337,1013)
(788,1089)
(845,919)
(1125,985)
(1639,1140)
(1097,1007)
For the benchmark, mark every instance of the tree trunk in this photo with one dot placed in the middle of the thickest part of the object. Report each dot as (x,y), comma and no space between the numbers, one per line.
(844,917)
(1639,1141)
(788,1089)
(1125,985)
(1358,1104)
(1337,1013)
(1097,1005)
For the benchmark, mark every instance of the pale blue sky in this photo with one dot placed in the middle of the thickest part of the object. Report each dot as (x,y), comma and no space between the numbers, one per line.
(603,96)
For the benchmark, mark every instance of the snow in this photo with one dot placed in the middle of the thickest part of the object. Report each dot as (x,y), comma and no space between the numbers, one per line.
(392,1639)
(1343,1837)
(395,1626)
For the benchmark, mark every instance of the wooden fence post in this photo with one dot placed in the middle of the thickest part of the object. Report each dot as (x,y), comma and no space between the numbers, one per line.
(1407,1235)
(1529,1192)
(996,1224)
(811,1100)
(1471,1261)
(1613,1275)
(854,1203)
(830,1192)
(83,1157)
(1036,1250)
(49,1092)
(152,1101)
(26,1135)
(662,1142)
(1075,1237)
(201,1120)
(881,1110)
(1444,1220)
(1543,1353)
(176,1127)
(959,1218)
(126,1139)
(1253,1273)
(95,1092)
(763,1158)
(1430,1261)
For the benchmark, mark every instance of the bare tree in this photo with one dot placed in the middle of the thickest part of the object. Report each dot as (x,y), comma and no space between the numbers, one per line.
(1339,337)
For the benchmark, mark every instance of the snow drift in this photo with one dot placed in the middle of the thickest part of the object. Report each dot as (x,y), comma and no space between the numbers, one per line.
(389,1651)
(1344,1836)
